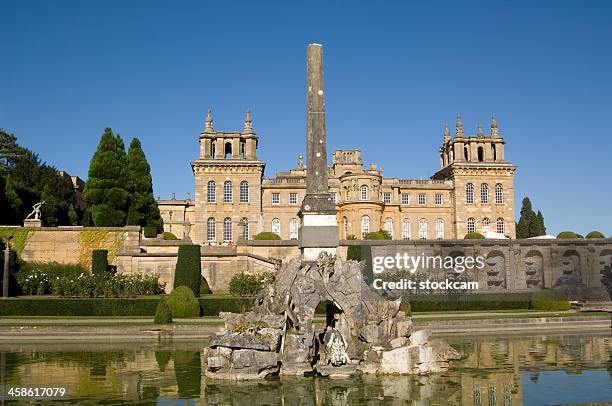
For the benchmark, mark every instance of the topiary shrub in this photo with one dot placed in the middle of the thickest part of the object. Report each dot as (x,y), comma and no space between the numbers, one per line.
(378,235)
(474,236)
(595,234)
(267,235)
(549,299)
(99,262)
(567,235)
(204,288)
(169,236)
(150,231)
(353,253)
(188,271)
(245,284)
(183,303)
(163,314)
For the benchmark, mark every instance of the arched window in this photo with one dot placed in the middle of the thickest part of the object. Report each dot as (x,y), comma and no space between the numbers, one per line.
(486,224)
(471,225)
(211,229)
(439,229)
(484,193)
(276,226)
(389,226)
(245,228)
(480,154)
(500,225)
(293,229)
(244,191)
(365,226)
(345,227)
(423,229)
(212,192)
(228,150)
(227,229)
(499,193)
(469,193)
(365,192)
(465,153)
(227,191)
(406,229)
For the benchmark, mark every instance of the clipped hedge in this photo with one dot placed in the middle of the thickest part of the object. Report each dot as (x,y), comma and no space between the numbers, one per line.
(474,236)
(378,235)
(549,299)
(99,262)
(567,235)
(169,236)
(188,271)
(149,231)
(595,234)
(163,315)
(182,303)
(54,306)
(267,235)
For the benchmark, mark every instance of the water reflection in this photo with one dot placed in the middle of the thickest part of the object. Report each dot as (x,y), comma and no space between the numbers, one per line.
(495,371)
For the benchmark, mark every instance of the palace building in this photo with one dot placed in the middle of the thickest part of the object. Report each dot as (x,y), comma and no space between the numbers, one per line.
(472,191)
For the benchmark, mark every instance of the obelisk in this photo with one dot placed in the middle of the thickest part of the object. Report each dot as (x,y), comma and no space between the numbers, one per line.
(319,227)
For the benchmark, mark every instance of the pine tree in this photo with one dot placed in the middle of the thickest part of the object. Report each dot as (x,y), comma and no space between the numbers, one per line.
(10,151)
(105,190)
(534,225)
(541,223)
(13,203)
(522,229)
(143,210)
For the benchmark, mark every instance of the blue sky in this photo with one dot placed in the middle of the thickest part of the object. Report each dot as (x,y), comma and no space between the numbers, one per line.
(395,73)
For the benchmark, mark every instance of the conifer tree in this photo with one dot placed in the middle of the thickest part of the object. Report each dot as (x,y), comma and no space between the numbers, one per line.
(143,210)
(105,190)
(534,225)
(13,203)
(522,229)
(541,223)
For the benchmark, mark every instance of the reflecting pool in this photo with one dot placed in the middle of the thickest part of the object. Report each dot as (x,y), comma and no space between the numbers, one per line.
(496,370)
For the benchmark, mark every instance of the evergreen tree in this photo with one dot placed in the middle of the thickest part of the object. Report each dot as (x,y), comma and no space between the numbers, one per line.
(522,229)
(534,225)
(10,151)
(541,223)
(143,210)
(105,190)
(73,217)
(13,204)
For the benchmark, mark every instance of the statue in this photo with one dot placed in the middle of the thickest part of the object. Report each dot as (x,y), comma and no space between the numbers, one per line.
(35,212)
(300,162)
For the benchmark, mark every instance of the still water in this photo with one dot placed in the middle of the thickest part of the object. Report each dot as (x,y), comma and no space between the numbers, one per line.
(496,370)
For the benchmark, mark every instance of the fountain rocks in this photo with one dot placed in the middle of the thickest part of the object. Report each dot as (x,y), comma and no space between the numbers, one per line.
(364,332)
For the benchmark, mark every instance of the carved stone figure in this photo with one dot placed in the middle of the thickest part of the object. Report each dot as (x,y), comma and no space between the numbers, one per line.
(534,265)
(35,212)
(496,270)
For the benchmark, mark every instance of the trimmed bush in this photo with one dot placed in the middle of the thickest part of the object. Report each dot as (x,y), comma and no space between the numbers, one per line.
(354,252)
(204,288)
(474,236)
(99,262)
(56,306)
(595,234)
(567,235)
(188,268)
(378,235)
(169,236)
(163,315)
(267,235)
(150,231)
(244,284)
(183,303)
(549,299)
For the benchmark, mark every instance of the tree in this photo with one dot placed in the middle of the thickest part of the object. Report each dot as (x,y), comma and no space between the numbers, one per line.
(522,229)
(105,190)
(13,203)
(73,217)
(541,223)
(534,225)
(10,151)
(143,210)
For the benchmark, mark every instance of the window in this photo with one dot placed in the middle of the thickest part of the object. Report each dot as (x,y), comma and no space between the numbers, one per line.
(345,227)
(275,198)
(211,229)
(364,192)
(389,226)
(405,198)
(293,198)
(212,192)
(228,150)
(480,154)
(365,226)
(293,229)
(244,191)
(439,229)
(499,193)
(438,199)
(227,229)
(227,191)
(245,229)
(471,225)
(484,193)
(500,225)
(406,229)
(485,224)
(423,229)
(422,199)
(387,197)
(469,193)
(276,226)
(333,197)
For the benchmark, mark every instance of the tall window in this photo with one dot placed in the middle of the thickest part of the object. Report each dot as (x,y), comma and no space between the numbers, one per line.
(387,197)
(212,192)
(244,191)
(333,197)
(486,224)
(276,226)
(227,229)
(500,225)
(405,198)
(345,227)
(484,193)
(227,192)
(293,198)
(293,229)
(245,228)
(499,193)
(364,192)
(365,226)
(389,226)
(275,198)
(211,229)
(469,193)
(438,199)
(422,198)
(471,225)
(439,229)
(423,229)
(406,229)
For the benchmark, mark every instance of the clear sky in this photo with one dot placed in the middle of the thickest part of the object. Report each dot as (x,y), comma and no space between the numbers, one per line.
(395,73)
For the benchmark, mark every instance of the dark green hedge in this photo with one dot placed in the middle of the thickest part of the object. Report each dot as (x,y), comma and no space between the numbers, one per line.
(54,306)
(188,271)
(99,262)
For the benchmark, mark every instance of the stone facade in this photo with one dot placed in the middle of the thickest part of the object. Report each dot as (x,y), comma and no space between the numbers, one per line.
(472,190)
